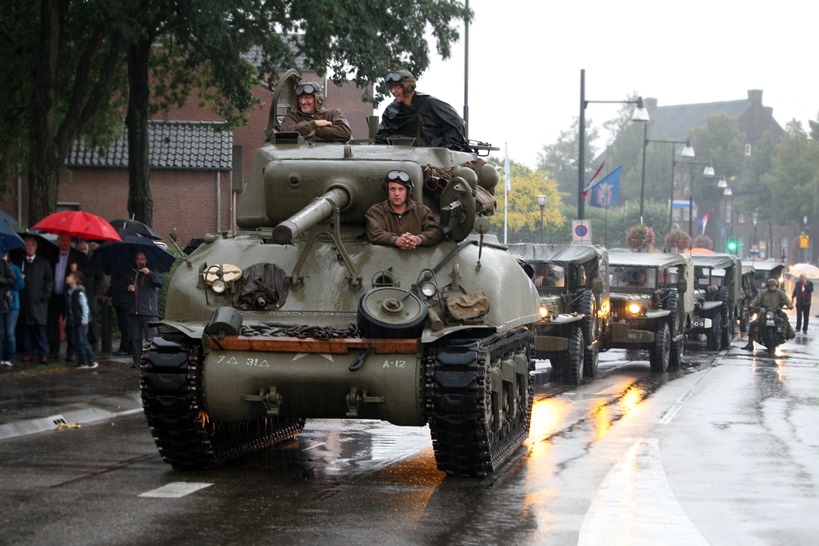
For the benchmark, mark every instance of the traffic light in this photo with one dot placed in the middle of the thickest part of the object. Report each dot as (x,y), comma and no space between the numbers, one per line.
(731,245)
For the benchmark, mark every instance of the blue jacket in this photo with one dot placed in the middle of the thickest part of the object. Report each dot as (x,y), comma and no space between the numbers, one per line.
(16,287)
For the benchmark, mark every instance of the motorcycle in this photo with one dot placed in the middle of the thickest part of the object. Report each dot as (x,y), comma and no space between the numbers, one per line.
(772,328)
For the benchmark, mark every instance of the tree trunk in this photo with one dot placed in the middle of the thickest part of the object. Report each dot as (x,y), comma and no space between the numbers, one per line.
(43,166)
(140,202)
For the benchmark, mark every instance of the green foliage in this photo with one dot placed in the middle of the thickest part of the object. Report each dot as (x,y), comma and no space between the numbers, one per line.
(721,142)
(523,211)
(609,228)
(794,178)
(558,161)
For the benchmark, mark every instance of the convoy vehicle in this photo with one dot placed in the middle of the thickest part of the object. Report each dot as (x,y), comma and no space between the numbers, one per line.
(766,269)
(749,290)
(771,330)
(573,283)
(652,297)
(297,315)
(718,298)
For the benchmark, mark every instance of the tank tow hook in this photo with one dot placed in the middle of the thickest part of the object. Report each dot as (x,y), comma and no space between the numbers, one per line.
(358,363)
(271,399)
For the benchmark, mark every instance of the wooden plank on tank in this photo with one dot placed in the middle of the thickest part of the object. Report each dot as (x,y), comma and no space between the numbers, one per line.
(311,345)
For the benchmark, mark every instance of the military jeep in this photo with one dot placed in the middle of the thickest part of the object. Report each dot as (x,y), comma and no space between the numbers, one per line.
(651,300)
(719,298)
(573,284)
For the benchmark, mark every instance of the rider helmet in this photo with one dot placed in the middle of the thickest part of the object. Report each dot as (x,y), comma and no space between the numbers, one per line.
(772,281)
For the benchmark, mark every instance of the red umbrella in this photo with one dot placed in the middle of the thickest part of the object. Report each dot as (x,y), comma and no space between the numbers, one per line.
(79,224)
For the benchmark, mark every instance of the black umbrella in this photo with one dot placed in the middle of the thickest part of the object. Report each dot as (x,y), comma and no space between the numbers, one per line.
(137,227)
(118,258)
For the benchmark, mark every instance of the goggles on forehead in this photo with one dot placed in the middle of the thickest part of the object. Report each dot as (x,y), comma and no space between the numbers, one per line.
(305,89)
(394,77)
(397,176)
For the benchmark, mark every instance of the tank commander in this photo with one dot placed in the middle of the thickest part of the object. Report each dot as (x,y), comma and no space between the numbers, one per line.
(430,121)
(399,220)
(312,120)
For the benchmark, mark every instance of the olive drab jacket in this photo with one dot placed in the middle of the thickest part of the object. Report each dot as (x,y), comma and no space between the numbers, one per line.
(771,300)
(303,124)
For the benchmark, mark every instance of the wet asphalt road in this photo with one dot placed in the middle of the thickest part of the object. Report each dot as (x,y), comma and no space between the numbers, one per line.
(722,452)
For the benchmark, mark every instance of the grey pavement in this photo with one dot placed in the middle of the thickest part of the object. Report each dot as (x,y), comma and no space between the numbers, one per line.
(36,398)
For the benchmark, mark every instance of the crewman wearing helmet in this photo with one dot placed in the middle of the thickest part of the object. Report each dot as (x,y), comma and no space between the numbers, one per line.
(312,120)
(400,221)
(430,121)
(774,299)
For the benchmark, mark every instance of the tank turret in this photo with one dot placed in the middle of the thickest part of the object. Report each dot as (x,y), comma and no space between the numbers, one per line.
(298,315)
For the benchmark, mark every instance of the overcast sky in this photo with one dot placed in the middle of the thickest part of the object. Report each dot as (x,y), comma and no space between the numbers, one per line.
(525,59)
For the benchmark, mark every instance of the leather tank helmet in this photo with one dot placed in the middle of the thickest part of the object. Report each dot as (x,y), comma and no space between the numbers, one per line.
(310,88)
(403,77)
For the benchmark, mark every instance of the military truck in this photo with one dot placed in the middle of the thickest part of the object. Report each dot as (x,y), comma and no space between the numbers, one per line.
(573,283)
(297,315)
(718,297)
(766,269)
(749,292)
(651,302)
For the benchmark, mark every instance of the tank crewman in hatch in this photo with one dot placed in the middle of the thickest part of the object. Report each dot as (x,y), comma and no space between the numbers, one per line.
(312,120)
(430,121)
(399,220)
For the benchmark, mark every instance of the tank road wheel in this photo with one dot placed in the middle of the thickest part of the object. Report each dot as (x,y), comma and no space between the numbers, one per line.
(170,382)
(587,306)
(479,401)
(676,325)
(572,365)
(715,333)
(660,353)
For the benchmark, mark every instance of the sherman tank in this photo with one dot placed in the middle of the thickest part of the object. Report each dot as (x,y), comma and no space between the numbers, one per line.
(297,315)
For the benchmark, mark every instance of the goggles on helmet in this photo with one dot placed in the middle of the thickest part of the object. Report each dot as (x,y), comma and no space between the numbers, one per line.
(394,77)
(397,176)
(305,89)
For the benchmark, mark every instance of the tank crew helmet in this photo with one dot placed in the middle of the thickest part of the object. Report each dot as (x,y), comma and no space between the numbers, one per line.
(400,177)
(401,76)
(310,88)
(772,281)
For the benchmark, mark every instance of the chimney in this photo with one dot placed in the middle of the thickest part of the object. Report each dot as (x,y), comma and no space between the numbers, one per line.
(755,96)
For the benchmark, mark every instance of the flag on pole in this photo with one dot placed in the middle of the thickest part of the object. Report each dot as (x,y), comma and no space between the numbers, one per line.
(592,182)
(604,193)
(704,222)
(507,170)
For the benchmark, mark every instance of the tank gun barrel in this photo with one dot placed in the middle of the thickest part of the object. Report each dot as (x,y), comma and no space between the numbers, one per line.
(318,210)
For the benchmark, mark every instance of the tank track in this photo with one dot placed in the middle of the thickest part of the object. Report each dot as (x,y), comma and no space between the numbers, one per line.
(460,408)
(171,381)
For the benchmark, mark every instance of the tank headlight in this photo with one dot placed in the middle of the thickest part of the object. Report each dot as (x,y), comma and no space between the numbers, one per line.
(218,286)
(428,289)
(634,308)
(544,312)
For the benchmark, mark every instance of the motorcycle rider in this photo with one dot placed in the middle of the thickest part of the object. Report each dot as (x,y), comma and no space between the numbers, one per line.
(774,299)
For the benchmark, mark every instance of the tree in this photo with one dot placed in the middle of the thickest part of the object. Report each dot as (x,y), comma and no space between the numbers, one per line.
(522,209)
(794,177)
(558,161)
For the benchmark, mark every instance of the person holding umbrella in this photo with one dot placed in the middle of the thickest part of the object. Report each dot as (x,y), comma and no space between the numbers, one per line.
(8,320)
(143,308)
(34,301)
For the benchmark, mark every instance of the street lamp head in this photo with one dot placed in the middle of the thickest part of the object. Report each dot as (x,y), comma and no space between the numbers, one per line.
(541,200)
(640,113)
(722,184)
(688,150)
(709,169)
(728,192)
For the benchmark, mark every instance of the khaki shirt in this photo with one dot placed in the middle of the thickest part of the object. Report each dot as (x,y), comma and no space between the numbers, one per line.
(303,123)
(384,225)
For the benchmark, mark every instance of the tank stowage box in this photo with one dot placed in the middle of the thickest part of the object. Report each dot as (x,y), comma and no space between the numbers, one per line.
(297,315)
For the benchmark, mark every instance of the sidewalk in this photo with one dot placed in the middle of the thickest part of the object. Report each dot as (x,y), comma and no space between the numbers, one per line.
(36,398)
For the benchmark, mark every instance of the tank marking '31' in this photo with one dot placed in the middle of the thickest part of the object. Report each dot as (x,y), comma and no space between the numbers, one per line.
(299,316)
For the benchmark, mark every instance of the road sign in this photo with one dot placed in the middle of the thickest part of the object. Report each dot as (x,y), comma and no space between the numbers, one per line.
(804,241)
(581,232)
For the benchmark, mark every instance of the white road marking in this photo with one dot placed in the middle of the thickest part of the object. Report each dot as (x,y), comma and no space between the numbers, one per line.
(635,505)
(175,490)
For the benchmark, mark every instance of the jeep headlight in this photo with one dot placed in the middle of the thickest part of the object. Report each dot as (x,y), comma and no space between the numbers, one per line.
(544,312)
(634,308)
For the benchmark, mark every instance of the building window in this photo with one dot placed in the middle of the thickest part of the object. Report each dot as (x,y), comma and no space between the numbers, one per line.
(747,149)
(740,218)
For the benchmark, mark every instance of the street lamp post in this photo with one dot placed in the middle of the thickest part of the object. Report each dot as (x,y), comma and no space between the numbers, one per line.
(640,114)
(541,201)
(729,211)
(755,221)
(687,153)
(707,172)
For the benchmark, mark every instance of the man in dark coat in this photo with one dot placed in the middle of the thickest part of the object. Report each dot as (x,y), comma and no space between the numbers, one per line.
(92,281)
(34,302)
(430,121)
(143,304)
(802,294)
(67,260)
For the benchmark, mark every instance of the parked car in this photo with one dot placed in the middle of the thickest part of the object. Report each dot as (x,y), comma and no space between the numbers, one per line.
(718,298)
(652,297)
(573,283)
